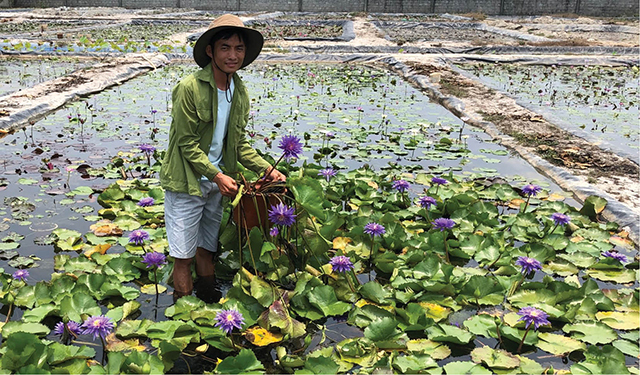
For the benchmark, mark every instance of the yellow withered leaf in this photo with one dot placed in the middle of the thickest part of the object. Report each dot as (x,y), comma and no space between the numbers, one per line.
(102,249)
(261,337)
(373,184)
(556,197)
(116,345)
(340,243)
(515,203)
(105,228)
(151,289)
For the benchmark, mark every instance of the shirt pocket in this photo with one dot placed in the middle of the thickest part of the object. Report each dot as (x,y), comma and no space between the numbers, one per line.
(205,113)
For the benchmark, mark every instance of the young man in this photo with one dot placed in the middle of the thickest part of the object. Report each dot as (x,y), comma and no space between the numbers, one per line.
(206,141)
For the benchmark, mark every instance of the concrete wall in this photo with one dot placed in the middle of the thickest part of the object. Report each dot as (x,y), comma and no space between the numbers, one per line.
(606,8)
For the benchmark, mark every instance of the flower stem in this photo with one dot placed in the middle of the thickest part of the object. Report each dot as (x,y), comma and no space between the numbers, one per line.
(526,204)
(9,314)
(523,337)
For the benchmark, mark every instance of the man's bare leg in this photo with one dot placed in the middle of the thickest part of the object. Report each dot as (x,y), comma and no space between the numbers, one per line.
(182,280)
(204,263)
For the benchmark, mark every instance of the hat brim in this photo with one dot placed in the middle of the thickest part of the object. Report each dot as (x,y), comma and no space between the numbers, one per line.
(253,41)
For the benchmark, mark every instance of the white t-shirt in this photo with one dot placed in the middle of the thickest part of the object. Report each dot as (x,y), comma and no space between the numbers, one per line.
(220,131)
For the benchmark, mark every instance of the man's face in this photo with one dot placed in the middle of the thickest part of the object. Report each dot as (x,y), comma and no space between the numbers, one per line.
(228,54)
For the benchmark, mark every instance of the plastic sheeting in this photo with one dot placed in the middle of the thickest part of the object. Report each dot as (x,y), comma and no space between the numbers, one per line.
(486,50)
(615,210)
(552,118)
(461,25)
(33,103)
(348,32)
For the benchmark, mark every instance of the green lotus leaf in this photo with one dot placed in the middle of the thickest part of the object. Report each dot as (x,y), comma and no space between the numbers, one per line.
(605,360)
(8,246)
(216,337)
(11,327)
(77,307)
(527,366)
(560,268)
(83,210)
(364,315)
(121,268)
(324,299)
(59,353)
(591,332)
(579,259)
(133,328)
(358,351)
(127,222)
(326,361)
(482,325)
(183,307)
(248,306)
(309,194)
(36,314)
(525,297)
(495,358)
(631,336)
(244,363)
(80,264)
(22,349)
(413,363)
(386,335)
(175,332)
(627,347)
(593,234)
(593,206)
(80,190)
(414,318)
(110,196)
(622,277)
(29,295)
(628,320)
(374,292)
(516,335)
(435,350)
(556,241)
(263,292)
(584,247)
(27,181)
(559,344)
(137,363)
(122,312)
(449,333)
(465,367)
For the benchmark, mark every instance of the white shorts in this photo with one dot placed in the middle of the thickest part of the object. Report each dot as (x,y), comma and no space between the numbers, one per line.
(192,221)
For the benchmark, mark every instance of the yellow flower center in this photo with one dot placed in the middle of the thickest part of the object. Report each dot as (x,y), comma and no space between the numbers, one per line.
(230,318)
(96,323)
(534,314)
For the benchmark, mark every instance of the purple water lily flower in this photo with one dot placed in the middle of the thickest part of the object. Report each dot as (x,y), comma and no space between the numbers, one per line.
(532,315)
(401,185)
(341,263)
(374,229)
(146,202)
(281,214)
(98,326)
(228,319)
(290,146)
(138,237)
(531,190)
(20,275)
(274,232)
(439,181)
(615,255)
(154,259)
(427,202)
(148,149)
(528,265)
(328,173)
(72,326)
(443,223)
(560,219)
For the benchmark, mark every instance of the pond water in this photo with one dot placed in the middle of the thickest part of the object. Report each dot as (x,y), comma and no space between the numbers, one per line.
(18,74)
(595,102)
(348,116)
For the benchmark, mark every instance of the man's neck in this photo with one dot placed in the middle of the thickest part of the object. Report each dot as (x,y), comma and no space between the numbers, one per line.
(220,77)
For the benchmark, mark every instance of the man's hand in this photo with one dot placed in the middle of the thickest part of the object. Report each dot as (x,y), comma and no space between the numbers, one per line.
(228,186)
(274,175)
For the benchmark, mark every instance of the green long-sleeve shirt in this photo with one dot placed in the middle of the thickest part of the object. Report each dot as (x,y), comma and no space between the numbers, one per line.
(195,105)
